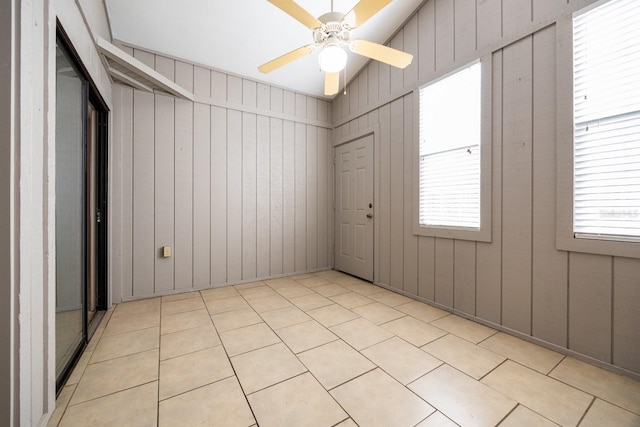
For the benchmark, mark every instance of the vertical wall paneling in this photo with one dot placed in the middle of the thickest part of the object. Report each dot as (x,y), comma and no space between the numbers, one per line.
(444,272)
(354,95)
(300,196)
(549,281)
(397,74)
(323,167)
(590,306)
(396,198)
(444,27)
(384,205)
(201,82)
(465,29)
(144,250)
(218,86)
(410,242)
(373,82)
(426,41)
(249,214)
(116,214)
(288,196)
(411,46)
(183,198)
(263,196)
(126,133)
(489,255)
(464,277)
(277,100)
(626,313)
(201,195)
(234,195)
(249,93)
(276,206)
(426,267)
(363,88)
(312,198)
(219,195)
(517,185)
(489,22)
(384,82)
(234,89)
(289,102)
(516,15)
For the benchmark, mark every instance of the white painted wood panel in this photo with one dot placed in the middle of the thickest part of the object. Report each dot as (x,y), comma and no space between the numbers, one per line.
(465,30)
(312,198)
(277,199)
(383,210)
(127,147)
(444,26)
(426,41)
(626,313)
(426,267)
(410,39)
(444,272)
(201,195)
(263,196)
(218,195)
(489,22)
(396,197)
(234,196)
(464,276)
(397,74)
(516,15)
(323,166)
(410,241)
(300,195)
(288,198)
(249,195)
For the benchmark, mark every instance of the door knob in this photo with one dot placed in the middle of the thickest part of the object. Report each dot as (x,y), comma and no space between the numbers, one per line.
(369,215)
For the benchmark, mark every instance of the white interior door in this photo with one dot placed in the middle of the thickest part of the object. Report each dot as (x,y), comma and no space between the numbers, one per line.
(354,208)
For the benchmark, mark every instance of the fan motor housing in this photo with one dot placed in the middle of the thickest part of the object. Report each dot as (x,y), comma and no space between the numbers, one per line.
(333,29)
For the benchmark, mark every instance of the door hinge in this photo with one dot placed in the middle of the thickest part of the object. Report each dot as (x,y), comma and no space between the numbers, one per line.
(98,216)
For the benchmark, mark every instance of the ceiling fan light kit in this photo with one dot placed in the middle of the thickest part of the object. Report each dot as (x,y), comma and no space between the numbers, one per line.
(331,32)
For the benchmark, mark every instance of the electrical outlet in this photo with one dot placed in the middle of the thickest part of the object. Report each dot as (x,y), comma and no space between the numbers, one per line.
(166,251)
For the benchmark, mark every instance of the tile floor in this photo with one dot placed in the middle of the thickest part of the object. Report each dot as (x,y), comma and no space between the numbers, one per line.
(326,349)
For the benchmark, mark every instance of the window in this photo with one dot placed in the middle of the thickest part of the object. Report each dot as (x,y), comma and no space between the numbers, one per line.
(449,147)
(606,119)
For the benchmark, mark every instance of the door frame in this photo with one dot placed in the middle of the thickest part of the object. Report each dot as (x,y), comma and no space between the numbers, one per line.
(92,95)
(372,129)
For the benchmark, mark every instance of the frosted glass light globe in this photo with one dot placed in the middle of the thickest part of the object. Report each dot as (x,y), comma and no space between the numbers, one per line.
(332,59)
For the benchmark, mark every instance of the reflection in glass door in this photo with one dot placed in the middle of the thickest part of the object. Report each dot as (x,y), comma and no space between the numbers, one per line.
(70,210)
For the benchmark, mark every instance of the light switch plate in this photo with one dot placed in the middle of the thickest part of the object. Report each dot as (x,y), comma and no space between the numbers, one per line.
(166,251)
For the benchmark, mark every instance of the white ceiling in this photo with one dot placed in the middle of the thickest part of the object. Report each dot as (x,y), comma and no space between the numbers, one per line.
(237,36)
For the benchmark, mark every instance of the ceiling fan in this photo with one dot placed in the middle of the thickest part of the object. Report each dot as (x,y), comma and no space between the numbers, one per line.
(331,32)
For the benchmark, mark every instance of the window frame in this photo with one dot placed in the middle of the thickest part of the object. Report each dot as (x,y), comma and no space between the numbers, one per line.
(482,234)
(565,236)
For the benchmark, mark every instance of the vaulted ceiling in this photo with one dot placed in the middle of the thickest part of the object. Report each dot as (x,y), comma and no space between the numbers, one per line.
(239,35)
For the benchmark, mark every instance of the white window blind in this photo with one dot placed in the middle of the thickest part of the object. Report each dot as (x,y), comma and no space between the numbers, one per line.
(450,151)
(606,46)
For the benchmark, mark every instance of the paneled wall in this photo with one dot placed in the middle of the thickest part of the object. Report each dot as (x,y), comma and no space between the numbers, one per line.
(237,183)
(589,304)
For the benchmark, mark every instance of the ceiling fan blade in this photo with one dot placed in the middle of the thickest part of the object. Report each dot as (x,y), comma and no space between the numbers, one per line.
(381,53)
(331,83)
(364,10)
(283,60)
(297,12)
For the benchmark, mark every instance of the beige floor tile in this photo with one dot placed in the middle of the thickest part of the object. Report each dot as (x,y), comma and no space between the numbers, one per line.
(265,304)
(61,405)
(332,315)
(281,282)
(614,388)
(223,305)
(603,413)
(139,306)
(184,342)
(78,370)
(296,402)
(346,279)
(389,298)
(183,321)
(437,419)
(347,423)
(97,335)
(132,322)
(523,352)
(463,328)
(184,295)
(264,367)
(235,319)
(378,313)
(193,370)
(421,311)
(311,301)
(376,399)
(101,379)
(294,291)
(523,416)
(257,292)
(219,293)
(312,282)
(362,287)
(283,317)
(361,333)
(401,360)
(180,306)
(461,398)
(249,285)
(136,406)
(219,404)
(120,345)
(461,354)
(329,274)
(248,338)
(351,300)
(304,336)
(414,331)
(335,363)
(330,290)
(552,399)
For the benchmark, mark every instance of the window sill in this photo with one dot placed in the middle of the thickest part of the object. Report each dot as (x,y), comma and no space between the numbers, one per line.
(457,233)
(598,247)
